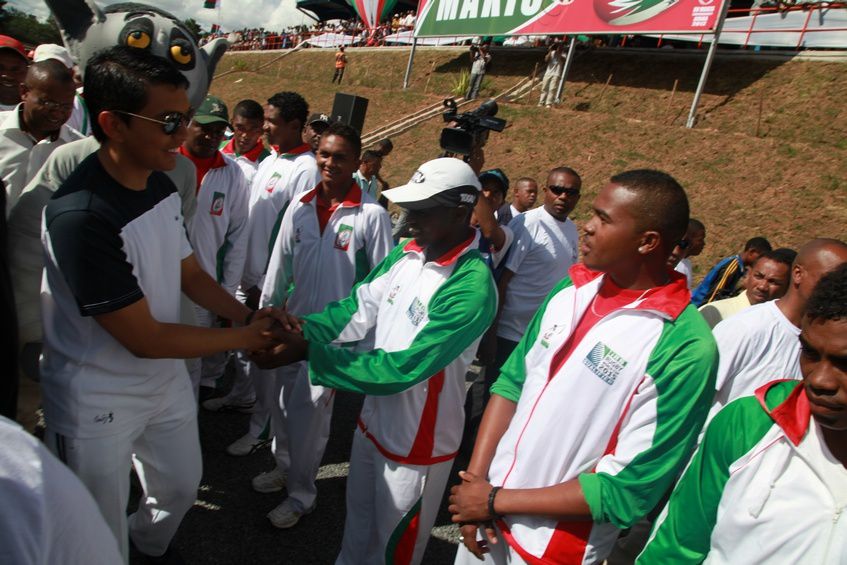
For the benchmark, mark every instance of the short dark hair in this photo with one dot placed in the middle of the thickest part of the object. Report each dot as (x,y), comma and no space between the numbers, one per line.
(118,79)
(759,244)
(347,132)
(370,155)
(383,147)
(662,204)
(567,171)
(249,109)
(696,225)
(49,69)
(526,179)
(291,106)
(828,300)
(783,255)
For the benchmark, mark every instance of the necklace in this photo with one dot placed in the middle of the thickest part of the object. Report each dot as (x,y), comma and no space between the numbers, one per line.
(593,302)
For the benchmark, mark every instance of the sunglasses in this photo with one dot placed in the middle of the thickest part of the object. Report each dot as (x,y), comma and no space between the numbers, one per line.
(560,190)
(170,122)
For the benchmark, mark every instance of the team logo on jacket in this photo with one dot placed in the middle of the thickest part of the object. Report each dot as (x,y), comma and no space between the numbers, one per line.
(604,362)
(271,184)
(416,312)
(342,238)
(548,335)
(217,204)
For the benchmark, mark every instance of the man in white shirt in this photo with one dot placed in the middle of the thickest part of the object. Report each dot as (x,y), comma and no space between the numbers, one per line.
(555,60)
(13,64)
(691,246)
(30,132)
(761,343)
(290,170)
(246,146)
(767,280)
(218,233)
(545,246)
(524,196)
(366,175)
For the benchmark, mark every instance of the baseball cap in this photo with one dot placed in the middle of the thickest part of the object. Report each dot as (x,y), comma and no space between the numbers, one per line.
(52,51)
(495,174)
(440,182)
(7,42)
(212,110)
(318,117)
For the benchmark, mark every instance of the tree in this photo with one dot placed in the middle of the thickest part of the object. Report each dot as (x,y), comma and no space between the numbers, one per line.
(26,27)
(192,26)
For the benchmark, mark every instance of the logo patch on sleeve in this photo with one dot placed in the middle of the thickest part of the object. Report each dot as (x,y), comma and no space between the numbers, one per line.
(342,238)
(217,204)
(416,311)
(604,362)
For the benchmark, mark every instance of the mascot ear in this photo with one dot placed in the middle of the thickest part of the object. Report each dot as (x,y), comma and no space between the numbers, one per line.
(212,53)
(75,17)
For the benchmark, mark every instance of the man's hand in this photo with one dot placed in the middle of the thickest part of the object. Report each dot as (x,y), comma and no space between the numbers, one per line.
(469,499)
(478,547)
(257,335)
(289,348)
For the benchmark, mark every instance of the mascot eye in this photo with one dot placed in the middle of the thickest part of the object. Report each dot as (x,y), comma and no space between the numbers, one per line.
(181,54)
(138,39)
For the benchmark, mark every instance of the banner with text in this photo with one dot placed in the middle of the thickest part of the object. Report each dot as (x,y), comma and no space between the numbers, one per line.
(553,17)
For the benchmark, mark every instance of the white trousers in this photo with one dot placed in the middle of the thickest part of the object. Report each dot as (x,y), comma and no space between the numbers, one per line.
(273,388)
(165,451)
(391,507)
(306,418)
(549,85)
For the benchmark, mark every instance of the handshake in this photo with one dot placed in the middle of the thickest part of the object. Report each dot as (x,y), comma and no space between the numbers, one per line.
(275,338)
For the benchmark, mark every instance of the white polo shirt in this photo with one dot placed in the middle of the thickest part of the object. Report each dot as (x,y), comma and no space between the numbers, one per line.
(541,254)
(21,157)
(756,346)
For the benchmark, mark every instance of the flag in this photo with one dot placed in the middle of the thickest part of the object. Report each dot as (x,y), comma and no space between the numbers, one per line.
(210,4)
(216,28)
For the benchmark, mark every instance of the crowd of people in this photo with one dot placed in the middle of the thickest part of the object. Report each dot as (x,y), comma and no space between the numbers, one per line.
(617,391)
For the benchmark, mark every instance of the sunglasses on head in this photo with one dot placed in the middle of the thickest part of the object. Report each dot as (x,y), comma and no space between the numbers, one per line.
(560,190)
(170,122)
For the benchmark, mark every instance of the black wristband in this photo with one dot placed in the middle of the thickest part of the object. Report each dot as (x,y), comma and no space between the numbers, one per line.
(249,317)
(491,511)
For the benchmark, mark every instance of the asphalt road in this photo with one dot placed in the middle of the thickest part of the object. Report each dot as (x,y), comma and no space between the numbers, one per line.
(227,524)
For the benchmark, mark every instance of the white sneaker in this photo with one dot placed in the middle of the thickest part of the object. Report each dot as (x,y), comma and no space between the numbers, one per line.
(286,514)
(246,445)
(222,404)
(271,481)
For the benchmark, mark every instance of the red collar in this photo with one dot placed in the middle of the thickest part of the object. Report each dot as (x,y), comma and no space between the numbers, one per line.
(252,155)
(351,200)
(449,257)
(299,150)
(670,299)
(217,161)
(792,414)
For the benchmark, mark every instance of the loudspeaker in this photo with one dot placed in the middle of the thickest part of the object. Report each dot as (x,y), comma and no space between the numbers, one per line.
(350,109)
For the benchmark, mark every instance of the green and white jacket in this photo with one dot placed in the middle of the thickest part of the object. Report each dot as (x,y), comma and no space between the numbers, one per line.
(762,488)
(428,318)
(621,414)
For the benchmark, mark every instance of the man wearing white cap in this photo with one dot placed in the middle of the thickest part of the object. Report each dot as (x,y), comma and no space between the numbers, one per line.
(79,119)
(428,303)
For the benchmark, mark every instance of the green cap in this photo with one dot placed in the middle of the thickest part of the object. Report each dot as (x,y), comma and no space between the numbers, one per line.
(211,110)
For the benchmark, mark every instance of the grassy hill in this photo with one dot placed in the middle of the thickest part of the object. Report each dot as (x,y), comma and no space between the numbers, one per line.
(767,156)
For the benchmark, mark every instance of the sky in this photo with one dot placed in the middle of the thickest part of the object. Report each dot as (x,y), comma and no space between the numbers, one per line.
(234,14)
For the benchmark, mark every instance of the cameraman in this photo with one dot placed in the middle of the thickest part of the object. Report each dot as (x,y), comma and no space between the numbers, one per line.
(555,60)
(480,58)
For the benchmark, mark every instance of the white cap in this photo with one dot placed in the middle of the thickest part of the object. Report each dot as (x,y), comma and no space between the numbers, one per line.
(52,51)
(441,182)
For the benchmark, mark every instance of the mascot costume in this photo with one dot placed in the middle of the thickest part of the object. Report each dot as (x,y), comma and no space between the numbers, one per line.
(87,29)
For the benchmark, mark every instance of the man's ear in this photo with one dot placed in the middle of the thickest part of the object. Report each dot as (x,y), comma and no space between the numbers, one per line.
(650,242)
(113,126)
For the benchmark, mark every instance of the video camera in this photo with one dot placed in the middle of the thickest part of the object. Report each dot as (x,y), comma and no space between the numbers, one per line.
(469,128)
